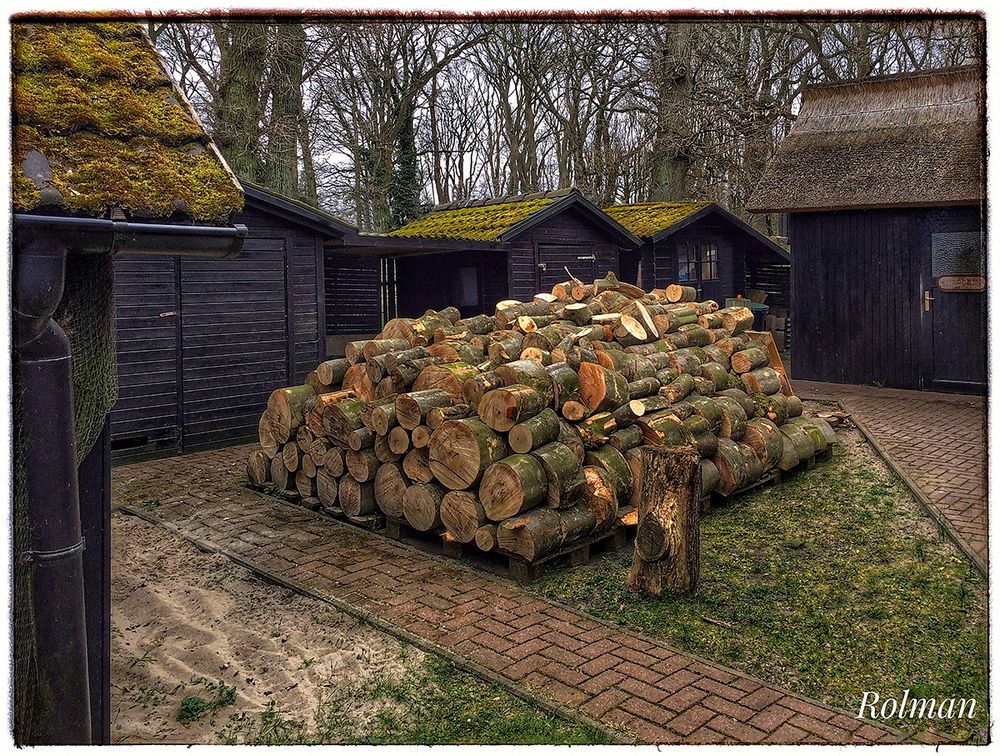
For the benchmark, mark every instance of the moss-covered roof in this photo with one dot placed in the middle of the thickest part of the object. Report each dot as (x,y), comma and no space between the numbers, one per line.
(646,219)
(486,220)
(98,125)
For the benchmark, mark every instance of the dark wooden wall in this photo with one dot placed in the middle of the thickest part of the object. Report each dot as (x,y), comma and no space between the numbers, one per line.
(202,342)
(352,293)
(731,266)
(559,242)
(432,282)
(857,281)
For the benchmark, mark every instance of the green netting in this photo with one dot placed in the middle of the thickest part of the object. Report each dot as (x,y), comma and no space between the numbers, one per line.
(86,314)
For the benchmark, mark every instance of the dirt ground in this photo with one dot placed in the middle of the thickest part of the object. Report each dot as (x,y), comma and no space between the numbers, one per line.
(187,623)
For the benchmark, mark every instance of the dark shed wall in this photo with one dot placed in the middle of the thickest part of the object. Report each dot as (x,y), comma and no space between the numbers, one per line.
(731,259)
(352,293)
(202,342)
(559,242)
(432,282)
(857,281)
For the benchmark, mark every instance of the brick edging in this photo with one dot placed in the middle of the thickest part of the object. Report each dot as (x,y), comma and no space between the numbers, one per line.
(545,704)
(935,514)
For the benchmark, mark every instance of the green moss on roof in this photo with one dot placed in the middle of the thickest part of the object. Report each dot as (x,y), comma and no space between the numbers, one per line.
(99,126)
(648,218)
(477,223)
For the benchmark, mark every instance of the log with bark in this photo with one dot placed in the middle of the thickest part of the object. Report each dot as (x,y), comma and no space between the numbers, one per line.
(667,540)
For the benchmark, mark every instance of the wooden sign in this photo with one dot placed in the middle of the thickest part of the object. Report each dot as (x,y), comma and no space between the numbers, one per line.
(962,283)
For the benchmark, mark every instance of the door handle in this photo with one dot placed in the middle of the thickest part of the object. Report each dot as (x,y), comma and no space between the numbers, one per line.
(927,301)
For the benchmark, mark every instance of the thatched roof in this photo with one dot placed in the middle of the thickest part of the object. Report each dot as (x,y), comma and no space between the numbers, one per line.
(907,140)
(501,219)
(99,126)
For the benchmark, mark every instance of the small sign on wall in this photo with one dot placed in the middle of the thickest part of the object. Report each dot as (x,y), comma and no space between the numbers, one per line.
(962,283)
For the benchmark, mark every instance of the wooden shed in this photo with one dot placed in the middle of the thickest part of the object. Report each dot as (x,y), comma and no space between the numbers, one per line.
(201,343)
(703,245)
(884,182)
(108,158)
(473,254)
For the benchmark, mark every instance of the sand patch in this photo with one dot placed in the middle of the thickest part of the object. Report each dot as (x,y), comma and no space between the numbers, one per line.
(186,623)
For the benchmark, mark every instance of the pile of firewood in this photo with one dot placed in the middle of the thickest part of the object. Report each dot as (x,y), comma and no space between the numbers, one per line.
(520,431)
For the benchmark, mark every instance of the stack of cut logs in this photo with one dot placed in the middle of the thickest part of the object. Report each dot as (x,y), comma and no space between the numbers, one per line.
(520,431)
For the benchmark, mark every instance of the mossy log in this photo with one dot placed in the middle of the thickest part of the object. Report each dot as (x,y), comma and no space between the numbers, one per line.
(286,408)
(696,335)
(600,388)
(748,359)
(449,377)
(762,381)
(460,450)
(503,408)
(626,438)
(477,386)
(377,347)
(456,351)
(527,373)
(563,474)
(664,428)
(679,388)
(680,293)
(356,379)
(797,447)
(734,418)
(667,542)
(765,439)
(643,387)
(709,476)
(611,460)
(742,398)
(512,485)
(331,372)
(686,361)
(716,373)
(570,436)
(537,533)
(534,431)
(774,407)
(738,466)
(736,320)
(600,497)
(412,407)
(705,441)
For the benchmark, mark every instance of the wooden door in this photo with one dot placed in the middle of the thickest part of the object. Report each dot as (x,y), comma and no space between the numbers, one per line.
(954,312)
(237,331)
(553,260)
(147,416)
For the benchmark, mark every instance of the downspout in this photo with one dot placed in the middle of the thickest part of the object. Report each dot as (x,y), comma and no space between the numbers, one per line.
(54,548)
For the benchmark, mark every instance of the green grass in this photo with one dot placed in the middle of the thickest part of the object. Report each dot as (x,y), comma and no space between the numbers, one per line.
(829,584)
(435,703)
(193,708)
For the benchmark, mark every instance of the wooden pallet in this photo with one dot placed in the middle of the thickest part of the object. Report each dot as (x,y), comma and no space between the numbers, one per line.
(504,563)
(374,521)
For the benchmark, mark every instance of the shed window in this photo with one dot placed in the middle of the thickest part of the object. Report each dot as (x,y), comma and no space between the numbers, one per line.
(693,259)
(467,294)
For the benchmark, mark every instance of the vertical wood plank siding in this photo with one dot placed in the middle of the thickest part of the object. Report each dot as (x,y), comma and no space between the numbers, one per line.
(856,291)
(241,328)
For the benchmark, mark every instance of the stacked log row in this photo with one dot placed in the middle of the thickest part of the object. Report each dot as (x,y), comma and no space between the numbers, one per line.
(520,431)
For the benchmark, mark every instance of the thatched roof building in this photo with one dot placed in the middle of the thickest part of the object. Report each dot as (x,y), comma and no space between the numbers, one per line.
(909,140)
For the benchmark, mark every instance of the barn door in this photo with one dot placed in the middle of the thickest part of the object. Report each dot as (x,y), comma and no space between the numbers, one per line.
(553,260)
(953,311)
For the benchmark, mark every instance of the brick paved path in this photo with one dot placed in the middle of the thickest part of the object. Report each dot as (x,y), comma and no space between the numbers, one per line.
(616,677)
(938,440)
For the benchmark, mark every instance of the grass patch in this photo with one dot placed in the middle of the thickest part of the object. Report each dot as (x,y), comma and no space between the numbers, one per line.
(830,584)
(194,708)
(433,704)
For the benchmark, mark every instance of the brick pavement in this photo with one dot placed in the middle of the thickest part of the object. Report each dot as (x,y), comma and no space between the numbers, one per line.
(938,441)
(616,677)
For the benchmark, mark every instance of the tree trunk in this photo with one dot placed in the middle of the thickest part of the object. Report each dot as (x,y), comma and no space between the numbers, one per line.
(667,540)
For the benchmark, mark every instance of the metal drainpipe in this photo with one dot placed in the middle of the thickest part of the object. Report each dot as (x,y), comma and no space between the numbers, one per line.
(55,545)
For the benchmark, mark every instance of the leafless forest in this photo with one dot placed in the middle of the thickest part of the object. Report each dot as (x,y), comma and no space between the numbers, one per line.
(373,120)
